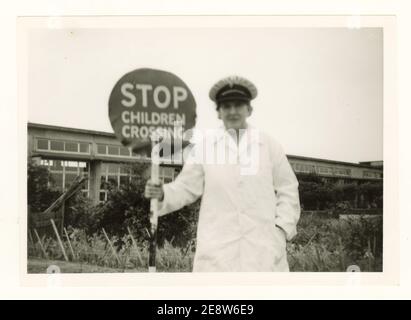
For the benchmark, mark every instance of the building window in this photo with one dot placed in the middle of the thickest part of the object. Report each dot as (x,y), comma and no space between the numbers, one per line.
(56,145)
(69,167)
(68,179)
(113,174)
(84,147)
(113,168)
(372,174)
(57,180)
(124,151)
(57,165)
(325,170)
(103,196)
(101,149)
(113,150)
(124,170)
(42,144)
(47,163)
(112,179)
(342,172)
(62,146)
(71,147)
(303,168)
(166,174)
(63,173)
(124,180)
(118,175)
(103,183)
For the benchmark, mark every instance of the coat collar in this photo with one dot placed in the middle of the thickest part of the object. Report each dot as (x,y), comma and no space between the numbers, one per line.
(251,136)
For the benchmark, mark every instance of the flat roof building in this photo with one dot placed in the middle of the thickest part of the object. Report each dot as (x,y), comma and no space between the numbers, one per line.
(69,152)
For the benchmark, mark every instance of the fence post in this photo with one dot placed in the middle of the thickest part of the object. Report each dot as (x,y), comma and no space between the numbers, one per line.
(68,240)
(59,240)
(41,244)
(135,246)
(63,208)
(112,248)
(30,237)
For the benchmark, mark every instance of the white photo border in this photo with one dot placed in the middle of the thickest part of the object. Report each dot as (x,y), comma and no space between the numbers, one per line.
(390,276)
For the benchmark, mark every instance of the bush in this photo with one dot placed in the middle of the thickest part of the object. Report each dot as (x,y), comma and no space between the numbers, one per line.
(82,214)
(126,206)
(39,195)
(318,194)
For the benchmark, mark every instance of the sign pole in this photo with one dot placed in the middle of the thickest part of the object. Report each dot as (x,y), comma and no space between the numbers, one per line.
(155,168)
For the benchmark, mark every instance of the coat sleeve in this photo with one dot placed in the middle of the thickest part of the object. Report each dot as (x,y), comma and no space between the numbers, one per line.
(186,188)
(286,188)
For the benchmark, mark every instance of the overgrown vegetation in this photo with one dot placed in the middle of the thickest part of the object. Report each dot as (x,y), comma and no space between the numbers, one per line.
(329,244)
(125,207)
(319,194)
(322,243)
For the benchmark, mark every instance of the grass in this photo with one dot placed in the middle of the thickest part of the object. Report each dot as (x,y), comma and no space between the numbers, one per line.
(35,265)
(321,245)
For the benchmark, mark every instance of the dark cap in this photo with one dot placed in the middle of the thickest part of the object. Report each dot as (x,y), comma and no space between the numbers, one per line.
(233,88)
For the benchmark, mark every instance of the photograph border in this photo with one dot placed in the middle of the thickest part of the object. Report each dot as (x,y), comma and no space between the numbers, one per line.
(391,221)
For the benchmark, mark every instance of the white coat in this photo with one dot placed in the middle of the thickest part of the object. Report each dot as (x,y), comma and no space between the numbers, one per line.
(239,211)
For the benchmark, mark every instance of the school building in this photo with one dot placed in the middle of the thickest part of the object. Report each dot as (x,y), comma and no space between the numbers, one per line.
(69,152)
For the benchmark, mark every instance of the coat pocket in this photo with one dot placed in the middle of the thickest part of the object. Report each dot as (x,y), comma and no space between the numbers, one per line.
(280,243)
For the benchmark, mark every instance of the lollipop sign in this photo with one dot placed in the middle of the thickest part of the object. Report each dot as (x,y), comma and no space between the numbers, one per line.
(147,104)
(147,100)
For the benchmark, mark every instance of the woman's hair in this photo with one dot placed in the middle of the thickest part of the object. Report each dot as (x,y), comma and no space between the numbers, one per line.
(218,105)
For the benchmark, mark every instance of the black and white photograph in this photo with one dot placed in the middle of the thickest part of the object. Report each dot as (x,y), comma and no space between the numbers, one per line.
(203,144)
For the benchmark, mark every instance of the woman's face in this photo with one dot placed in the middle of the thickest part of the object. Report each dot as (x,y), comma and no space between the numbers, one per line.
(234,114)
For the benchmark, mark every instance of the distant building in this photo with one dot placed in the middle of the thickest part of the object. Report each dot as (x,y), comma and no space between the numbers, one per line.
(337,171)
(375,164)
(69,152)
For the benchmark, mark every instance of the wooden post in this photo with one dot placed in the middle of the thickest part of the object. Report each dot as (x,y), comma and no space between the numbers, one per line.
(59,240)
(63,206)
(135,246)
(155,168)
(69,242)
(111,246)
(30,237)
(30,242)
(41,244)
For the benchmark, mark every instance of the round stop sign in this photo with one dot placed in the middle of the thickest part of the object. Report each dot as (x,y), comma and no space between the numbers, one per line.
(145,101)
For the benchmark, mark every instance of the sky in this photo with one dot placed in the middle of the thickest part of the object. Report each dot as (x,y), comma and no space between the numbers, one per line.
(320,90)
